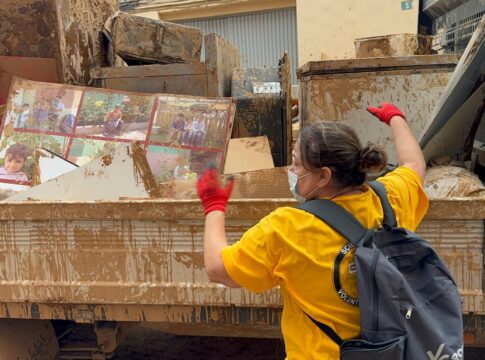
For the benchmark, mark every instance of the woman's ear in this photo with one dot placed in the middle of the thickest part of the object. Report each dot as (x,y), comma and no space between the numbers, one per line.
(325,177)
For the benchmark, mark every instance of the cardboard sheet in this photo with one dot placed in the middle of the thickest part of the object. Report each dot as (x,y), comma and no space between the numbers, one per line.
(121,174)
(248,154)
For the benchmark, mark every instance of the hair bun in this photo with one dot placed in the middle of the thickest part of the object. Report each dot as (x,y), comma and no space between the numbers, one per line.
(371,159)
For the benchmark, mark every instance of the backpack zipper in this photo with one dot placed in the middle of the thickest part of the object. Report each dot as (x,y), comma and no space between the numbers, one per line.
(409,312)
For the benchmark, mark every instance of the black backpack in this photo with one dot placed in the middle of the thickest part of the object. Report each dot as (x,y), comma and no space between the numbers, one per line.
(410,307)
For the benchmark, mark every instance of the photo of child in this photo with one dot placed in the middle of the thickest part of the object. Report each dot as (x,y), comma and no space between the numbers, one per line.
(15,157)
(189,123)
(47,109)
(23,116)
(115,115)
(169,163)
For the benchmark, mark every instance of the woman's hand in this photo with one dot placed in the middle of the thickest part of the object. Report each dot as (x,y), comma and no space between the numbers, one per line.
(385,112)
(211,194)
(408,152)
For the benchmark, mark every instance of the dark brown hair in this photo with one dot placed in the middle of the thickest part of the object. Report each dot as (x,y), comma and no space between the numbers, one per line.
(337,146)
(18,151)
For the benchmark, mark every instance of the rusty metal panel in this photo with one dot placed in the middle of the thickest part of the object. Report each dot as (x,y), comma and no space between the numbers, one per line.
(178,319)
(341,90)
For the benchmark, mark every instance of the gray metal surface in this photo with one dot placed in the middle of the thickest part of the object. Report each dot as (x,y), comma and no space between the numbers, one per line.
(461,85)
(261,38)
(341,90)
(454,25)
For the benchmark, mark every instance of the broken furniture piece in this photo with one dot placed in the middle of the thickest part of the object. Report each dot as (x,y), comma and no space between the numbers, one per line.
(49,165)
(67,31)
(138,40)
(211,78)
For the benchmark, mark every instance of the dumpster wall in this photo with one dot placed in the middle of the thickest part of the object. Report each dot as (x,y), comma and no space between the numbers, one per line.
(341,90)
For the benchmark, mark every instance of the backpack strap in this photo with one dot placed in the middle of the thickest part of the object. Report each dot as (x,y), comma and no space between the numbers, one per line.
(337,218)
(389,215)
(328,331)
(346,225)
(349,227)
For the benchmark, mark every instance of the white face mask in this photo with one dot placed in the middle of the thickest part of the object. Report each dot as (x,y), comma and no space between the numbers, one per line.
(293,182)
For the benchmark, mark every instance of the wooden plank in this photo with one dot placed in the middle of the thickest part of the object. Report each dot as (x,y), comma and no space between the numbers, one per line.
(248,154)
(285,68)
(221,58)
(184,85)
(377,64)
(153,41)
(148,70)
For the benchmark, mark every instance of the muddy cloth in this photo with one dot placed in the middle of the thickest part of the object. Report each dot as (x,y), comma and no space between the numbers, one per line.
(295,250)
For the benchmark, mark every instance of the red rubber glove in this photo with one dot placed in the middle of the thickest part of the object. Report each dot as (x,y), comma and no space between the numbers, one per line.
(211,194)
(385,112)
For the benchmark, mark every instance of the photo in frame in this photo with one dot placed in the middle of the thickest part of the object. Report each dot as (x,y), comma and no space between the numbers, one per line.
(180,134)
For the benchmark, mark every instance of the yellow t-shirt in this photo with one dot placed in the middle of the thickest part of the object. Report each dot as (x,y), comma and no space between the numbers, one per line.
(313,266)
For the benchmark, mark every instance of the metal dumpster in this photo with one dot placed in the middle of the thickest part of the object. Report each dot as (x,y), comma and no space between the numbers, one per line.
(340,90)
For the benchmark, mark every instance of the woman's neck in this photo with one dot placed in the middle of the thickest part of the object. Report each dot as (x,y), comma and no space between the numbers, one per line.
(332,193)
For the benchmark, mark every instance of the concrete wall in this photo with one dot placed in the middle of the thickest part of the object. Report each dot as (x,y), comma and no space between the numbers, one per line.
(327,28)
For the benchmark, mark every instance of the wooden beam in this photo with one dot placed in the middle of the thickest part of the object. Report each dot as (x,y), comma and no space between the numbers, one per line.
(221,58)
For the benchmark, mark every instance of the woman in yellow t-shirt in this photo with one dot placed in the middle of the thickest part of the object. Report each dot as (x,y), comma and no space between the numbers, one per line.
(312,263)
